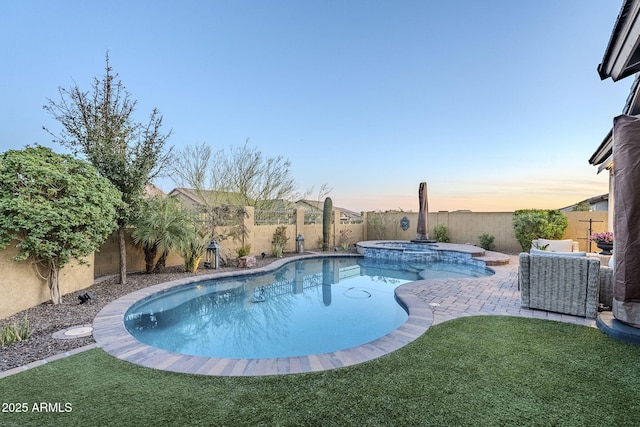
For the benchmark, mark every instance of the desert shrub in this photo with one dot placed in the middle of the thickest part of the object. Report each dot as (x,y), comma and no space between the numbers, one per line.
(486,241)
(17,331)
(279,241)
(531,224)
(377,222)
(344,239)
(441,233)
(244,250)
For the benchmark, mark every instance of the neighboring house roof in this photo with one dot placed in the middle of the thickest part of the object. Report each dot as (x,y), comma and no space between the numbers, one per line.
(312,204)
(199,196)
(151,190)
(592,201)
(280,204)
(195,197)
(345,214)
(312,211)
(622,56)
(350,215)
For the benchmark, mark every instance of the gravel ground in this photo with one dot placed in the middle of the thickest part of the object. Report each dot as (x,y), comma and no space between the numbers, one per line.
(46,319)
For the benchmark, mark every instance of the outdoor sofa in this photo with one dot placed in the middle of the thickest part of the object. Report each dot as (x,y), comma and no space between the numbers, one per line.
(566,245)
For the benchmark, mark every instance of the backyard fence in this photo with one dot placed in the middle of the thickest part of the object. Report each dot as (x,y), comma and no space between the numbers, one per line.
(23,289)
(274,216)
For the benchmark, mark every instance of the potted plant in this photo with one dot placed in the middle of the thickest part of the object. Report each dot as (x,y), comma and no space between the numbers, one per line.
(604,240)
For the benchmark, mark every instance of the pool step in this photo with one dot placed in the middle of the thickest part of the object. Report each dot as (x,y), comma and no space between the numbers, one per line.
(494,258)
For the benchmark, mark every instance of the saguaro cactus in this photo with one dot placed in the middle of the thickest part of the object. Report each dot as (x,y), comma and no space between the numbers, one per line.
(326,223)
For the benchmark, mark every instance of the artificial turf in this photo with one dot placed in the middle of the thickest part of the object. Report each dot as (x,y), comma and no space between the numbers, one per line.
(485,370)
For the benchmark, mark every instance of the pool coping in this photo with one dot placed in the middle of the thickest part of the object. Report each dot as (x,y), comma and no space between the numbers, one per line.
(111,335)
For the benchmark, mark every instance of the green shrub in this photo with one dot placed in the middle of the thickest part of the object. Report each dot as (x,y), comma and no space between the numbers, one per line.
(244,250)
(486,241)
(531,224)
(441,233)
(18,331)
(279,241)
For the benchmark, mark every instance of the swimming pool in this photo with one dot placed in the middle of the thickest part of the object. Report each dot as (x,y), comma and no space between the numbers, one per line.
(311,306)
(112,337)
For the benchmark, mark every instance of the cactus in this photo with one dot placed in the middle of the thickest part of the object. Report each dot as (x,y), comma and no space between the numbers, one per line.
(326,223)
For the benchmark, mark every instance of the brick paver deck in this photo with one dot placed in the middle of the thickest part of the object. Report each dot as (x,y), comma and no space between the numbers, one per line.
(428,302)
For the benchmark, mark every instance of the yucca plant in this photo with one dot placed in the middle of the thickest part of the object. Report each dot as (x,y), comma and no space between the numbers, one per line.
(344,240)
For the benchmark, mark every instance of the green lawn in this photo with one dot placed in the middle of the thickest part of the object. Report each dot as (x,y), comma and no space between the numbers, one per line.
(470,371)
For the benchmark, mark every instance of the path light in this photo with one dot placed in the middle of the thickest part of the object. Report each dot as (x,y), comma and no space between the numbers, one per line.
(299,244)
(211,260)
(85,297)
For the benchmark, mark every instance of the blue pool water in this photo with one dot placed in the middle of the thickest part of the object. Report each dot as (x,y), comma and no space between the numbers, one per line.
(309,306)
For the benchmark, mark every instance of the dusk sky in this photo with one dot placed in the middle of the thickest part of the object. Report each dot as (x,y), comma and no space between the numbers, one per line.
(497,105)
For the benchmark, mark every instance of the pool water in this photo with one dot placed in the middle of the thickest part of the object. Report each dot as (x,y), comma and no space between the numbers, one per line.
(310,306)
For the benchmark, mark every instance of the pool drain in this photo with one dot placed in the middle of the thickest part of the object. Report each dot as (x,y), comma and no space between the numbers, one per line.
(357,293)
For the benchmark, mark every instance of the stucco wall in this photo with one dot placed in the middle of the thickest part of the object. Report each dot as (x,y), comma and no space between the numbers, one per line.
(466,227)
(21,287)
(107,259)
(261,236)
(578,228)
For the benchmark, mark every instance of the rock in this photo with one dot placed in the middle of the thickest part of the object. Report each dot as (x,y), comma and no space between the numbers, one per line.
(246,262)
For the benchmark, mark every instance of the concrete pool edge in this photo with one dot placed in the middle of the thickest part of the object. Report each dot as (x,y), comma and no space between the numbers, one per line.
(111,335)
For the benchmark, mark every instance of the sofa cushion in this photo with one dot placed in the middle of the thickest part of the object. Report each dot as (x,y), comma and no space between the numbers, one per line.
(556,245)
(541,252)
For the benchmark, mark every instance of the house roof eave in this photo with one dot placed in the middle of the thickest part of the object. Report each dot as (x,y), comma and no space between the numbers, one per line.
(603,151)
(620,59)
(606,164)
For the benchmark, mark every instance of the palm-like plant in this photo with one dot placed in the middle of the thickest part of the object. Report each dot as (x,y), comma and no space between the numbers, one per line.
(163,228)
(192,248)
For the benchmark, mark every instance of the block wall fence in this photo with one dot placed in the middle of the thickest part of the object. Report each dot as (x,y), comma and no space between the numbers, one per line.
(466,227)
(21,287)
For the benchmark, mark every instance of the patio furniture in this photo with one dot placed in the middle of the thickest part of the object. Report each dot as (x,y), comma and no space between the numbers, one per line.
(606,287)
(566,245)
(534,251)
(561,284)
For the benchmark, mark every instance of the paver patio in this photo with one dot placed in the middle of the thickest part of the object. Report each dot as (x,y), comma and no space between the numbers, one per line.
(429,302)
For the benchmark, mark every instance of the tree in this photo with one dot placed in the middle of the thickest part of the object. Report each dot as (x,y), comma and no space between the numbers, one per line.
(225,182)
(531,224)
(100,126)
(56,207)
(241,176)
(583,206)
(165,226)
